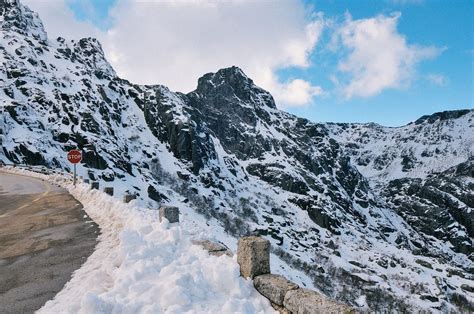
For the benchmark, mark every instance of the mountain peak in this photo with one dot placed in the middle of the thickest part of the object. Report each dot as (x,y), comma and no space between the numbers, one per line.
(90,51)
(232,81)
(232,76)
(444,115)
(19,18)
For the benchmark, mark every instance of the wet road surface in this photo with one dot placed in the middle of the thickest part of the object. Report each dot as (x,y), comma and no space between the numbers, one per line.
(44,237)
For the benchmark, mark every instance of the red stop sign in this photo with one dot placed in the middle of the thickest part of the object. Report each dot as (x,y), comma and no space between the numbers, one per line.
(74,156)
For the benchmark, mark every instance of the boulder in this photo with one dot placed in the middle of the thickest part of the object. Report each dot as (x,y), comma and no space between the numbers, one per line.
(129,197)
(273,287)
(214,248)
(169,212)
(304,301)
(253,256)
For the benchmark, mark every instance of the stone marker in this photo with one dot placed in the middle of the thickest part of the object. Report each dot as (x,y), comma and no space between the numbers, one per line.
(253,256)
(169,212)
(214,248)
(273,287)
(86,181)
(109,190)
(301,301)
(94,185)
(128,197)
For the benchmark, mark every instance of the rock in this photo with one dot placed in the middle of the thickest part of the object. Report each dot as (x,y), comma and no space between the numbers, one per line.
(155,195)
(253,256)
(280,309)
(128,197)
(94,185)
(467,288)
(304,301)
(109,190)
(169,212)
(429,298)
(214,248)
(92,159)
(424,263)
(273,287)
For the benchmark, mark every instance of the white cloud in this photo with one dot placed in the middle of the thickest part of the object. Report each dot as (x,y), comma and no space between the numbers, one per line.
(379,56)
(297,92)
(437,79)
(175,42)
(59,21)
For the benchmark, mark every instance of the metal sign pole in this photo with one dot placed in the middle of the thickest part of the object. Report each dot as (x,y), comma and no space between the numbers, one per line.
(74,174)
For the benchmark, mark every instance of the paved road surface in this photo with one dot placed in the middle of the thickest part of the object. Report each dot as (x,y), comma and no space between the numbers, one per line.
(44,237)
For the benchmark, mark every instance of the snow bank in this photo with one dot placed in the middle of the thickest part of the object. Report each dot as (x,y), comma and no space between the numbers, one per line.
(143,266)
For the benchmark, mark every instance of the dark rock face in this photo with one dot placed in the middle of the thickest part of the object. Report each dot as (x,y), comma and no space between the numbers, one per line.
(440,116)
(184,137)
(229,104)
(21,19)
(439,206)
(155,195)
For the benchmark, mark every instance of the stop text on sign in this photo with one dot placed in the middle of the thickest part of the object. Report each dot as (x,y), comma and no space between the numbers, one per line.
(74,156)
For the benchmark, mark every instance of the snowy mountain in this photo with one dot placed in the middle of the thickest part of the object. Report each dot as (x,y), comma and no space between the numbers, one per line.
(423,171)
(381,218)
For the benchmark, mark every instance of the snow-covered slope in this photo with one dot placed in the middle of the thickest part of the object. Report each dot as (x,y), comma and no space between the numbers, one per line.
(423,170)
(226,152)
(142,265)
(430,144)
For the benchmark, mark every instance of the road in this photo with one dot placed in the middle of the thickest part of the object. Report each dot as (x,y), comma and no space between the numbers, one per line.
(44,237)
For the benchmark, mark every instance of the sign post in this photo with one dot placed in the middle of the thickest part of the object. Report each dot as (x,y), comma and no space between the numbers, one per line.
(74,156)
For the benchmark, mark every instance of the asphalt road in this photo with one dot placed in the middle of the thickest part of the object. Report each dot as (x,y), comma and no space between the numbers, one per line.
(44,237)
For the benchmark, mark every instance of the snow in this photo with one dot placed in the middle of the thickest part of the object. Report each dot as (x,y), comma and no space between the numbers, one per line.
(434,147)
(143,266)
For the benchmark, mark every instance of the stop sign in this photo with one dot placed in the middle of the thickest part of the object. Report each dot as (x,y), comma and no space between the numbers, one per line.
(74,156)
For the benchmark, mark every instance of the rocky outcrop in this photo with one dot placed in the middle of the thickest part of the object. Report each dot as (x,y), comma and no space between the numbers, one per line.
(439,206)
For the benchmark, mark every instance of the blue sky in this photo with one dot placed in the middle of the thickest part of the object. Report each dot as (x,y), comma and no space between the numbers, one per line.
(441,79)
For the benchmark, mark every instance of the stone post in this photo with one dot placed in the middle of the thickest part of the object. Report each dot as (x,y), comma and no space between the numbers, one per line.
(94,185)
(109,190)
(128,197)
(253,256)
(86,181)
(169,212)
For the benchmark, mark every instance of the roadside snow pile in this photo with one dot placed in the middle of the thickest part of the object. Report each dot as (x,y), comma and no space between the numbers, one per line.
(142,265)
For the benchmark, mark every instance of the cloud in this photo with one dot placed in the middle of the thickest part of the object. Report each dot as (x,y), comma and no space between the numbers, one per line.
(437,79)
(175,42)
(59,21)
(297,92)
(378,56)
